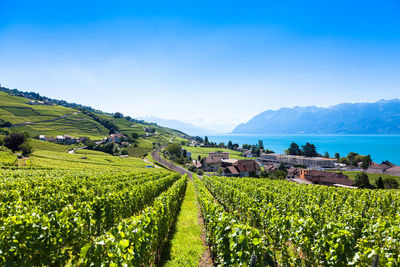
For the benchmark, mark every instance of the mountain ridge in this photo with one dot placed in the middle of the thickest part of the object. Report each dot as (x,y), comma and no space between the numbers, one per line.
(380,117)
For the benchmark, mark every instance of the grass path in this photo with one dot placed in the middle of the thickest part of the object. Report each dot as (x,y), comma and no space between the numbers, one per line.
(186,244)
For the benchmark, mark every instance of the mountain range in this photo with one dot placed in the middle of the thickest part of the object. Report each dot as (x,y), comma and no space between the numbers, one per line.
(381,117)
(185,127)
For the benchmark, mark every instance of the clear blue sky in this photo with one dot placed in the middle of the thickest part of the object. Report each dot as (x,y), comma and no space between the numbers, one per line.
(202,60)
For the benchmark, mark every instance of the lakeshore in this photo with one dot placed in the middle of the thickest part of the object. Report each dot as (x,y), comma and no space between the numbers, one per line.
(380,147)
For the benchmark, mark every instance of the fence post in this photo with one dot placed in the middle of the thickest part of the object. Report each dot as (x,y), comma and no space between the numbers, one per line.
(253,260)
(376,261)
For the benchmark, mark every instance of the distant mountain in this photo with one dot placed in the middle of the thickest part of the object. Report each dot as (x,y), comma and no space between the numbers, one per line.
(381,117)
(188,128)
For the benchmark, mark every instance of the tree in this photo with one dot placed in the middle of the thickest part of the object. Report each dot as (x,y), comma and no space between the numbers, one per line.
(112,131)
(124,151)
(192,168)
(134,136)
(282,167)
(278,175)
(264,174)
(174,149)
(199,158)
(14,141)
(118,115)
(294,149)
(128,118)
(206,140)
(230,145)
(111,148)
(379,183)
(199,172)
(365,162)
(352,155)
(390,183)
(260,144)
(326,155)
(221,145)
(337,156)
(362,180)
(309,150)
(220,171)
(26,149)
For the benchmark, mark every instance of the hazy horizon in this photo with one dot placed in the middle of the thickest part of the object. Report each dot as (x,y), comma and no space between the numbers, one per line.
(207,63)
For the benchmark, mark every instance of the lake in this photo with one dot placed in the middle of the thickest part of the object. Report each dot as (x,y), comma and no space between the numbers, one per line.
(380,147)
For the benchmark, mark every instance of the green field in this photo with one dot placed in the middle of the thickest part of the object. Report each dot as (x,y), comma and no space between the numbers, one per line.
(372,176)
(203,152)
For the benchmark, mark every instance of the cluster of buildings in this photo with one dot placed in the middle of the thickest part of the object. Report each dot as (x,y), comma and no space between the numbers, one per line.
(117,138)
(230,167)
(63,139)
(37,102)
(385,167)
(314,162)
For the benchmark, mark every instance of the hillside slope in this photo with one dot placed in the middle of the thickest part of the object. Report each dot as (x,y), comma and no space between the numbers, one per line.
(381,117)
(20,114)
(50,120)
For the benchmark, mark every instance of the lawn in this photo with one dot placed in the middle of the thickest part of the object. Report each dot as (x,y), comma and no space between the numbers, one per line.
(203,152)
(372,176)
(186,244)
(49,146)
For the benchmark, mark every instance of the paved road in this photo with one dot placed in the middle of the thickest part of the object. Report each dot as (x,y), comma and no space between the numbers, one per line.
(157,158)
(72,151)
(33,122)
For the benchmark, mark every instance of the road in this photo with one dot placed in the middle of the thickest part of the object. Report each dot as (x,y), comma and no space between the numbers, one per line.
(72,151)
(157,158)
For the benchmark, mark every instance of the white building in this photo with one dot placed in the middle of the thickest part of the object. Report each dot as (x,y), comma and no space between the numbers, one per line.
(316,162)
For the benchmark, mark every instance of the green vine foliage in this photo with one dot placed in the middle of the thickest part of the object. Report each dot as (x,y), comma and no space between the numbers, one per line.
(315,225)
(137,241)
(46,217)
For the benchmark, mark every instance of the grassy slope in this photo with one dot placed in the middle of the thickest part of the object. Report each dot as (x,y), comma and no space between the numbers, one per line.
(186,244)
(7,158)
(15,110)
(203,152)
(63,160)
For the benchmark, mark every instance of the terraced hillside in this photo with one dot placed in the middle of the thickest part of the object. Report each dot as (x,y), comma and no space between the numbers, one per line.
(20,114)
(47,119)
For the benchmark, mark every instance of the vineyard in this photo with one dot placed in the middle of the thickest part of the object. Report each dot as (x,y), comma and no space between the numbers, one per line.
(98,210)
(59,217)
(265,222)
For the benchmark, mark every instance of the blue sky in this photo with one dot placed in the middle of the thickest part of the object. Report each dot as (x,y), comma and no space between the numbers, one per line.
(209,62)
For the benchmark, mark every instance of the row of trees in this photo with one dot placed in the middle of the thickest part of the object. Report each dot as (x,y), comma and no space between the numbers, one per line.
(175,153)
(362,181)
(108,124)
(308,150)
(355,159)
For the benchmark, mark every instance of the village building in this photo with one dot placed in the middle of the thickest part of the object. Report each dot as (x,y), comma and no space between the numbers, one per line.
(293,172)
(312,162)
(326,178)
(385,167)
(117,138)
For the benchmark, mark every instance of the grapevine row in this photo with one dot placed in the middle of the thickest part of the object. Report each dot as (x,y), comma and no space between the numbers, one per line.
(137,241)
(315,225)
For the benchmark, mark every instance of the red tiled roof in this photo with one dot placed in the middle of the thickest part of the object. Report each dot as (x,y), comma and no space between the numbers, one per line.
(378,166)
(247,165)
(328,177)
(231,169)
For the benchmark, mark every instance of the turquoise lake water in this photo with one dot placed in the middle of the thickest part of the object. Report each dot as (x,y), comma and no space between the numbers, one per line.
(380,147)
